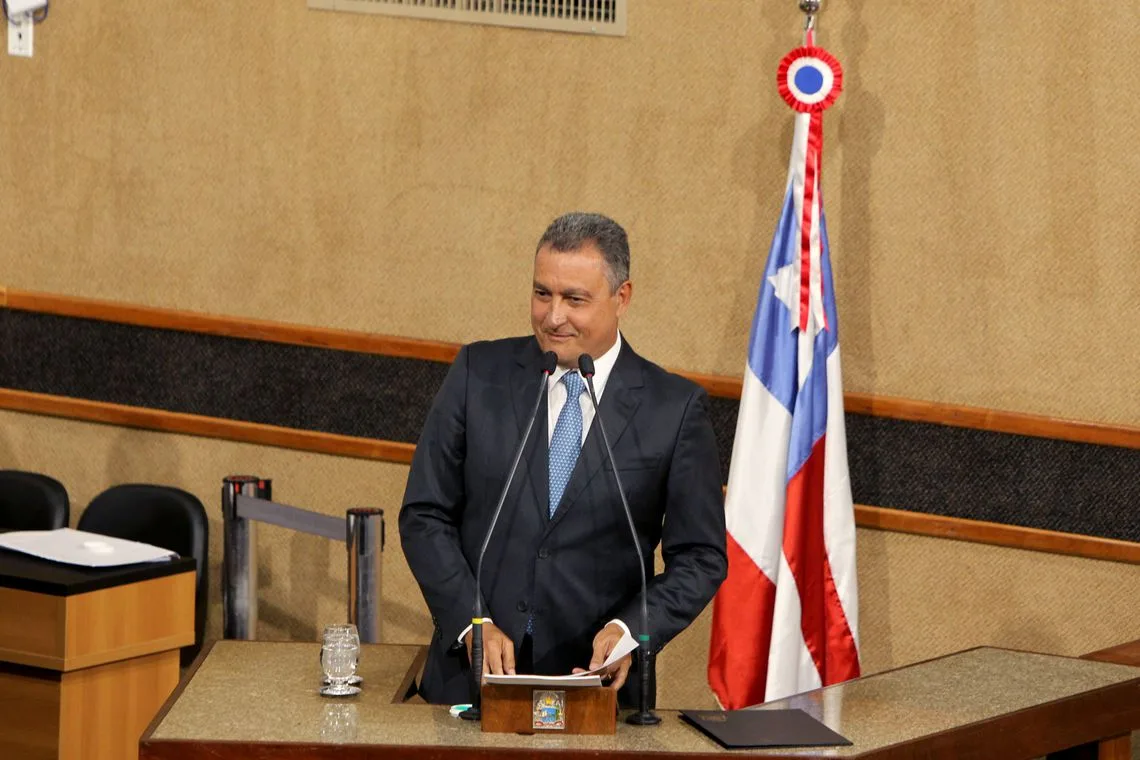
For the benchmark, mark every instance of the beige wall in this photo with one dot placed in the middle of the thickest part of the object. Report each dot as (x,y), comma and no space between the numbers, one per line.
(391,175)
(919,597)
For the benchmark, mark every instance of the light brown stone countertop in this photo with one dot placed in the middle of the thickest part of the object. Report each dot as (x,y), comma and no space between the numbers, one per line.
(266,692)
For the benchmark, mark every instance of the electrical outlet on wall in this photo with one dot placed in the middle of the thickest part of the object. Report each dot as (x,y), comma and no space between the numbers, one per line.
(18,7)
(20,35)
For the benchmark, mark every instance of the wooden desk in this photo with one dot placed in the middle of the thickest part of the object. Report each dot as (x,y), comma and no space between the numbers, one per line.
(87,656)
(1123,654)
(259,700)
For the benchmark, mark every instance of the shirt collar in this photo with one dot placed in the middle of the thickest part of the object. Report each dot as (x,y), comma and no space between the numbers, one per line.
(603,366)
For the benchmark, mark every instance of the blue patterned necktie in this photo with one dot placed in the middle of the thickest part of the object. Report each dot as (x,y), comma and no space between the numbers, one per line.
(567,439)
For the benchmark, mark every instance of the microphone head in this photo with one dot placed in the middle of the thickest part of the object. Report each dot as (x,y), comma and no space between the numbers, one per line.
(586,365)
(549,362)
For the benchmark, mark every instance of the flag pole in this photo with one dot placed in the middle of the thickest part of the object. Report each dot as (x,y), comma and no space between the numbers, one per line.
(810,10)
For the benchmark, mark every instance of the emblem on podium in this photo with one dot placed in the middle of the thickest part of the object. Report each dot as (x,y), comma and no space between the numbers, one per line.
(549,710)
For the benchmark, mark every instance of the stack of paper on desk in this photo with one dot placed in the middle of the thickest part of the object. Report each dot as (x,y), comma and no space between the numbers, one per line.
(76,547)
(577,679)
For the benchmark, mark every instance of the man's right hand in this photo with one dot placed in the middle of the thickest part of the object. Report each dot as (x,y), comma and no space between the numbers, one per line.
(498,650)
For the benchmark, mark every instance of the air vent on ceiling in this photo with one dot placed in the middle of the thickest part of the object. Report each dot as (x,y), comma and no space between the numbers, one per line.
(583,16)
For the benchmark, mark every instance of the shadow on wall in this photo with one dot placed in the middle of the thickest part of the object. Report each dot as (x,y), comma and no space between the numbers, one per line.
(760,165)
(294,607)
(8,459)
(861,124)
(294,573)
(135,457)
(876,637)
(277,620)
(303,586)
(312,575)
(762,161)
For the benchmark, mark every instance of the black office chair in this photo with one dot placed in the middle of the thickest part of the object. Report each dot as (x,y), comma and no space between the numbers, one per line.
(31,501)
(161,516)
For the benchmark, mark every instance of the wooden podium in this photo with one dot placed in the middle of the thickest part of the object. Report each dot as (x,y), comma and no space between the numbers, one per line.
(87,656)
(529,709)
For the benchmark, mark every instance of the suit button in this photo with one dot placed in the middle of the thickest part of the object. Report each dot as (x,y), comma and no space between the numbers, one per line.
(521,607)
(543,553)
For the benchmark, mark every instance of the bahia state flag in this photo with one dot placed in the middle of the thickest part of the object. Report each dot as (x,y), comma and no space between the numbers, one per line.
(786,618)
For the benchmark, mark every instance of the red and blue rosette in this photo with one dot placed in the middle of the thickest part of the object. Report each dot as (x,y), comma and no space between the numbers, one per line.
(809,79)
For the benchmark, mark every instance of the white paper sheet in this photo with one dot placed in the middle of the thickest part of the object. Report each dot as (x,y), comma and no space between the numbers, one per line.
(571,681)
(76,547)
(590,678)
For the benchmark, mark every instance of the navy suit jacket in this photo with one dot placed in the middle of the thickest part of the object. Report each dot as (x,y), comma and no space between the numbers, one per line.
(575,571)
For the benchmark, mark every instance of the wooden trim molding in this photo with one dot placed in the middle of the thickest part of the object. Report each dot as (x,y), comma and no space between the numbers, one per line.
(997,534)
(716,385)
(992,420)
(209,427)
(231,327)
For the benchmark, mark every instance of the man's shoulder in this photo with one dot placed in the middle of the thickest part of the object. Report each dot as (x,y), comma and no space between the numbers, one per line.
(662,380)
(489,352)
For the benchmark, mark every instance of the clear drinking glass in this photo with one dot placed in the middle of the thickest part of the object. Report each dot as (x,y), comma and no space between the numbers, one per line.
(349,630)
(340,649)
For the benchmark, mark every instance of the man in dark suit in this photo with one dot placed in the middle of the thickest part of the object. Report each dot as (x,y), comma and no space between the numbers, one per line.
(560,576)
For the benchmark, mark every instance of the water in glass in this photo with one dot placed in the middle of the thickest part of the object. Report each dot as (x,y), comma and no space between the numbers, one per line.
(339,652)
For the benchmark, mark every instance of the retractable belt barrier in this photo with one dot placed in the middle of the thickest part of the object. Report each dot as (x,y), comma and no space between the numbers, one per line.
(246,500)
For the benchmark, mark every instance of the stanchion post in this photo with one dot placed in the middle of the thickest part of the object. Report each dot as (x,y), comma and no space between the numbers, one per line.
(365,542)
(239,557)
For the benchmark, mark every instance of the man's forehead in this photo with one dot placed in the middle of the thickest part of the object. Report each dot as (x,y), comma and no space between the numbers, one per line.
(565,289)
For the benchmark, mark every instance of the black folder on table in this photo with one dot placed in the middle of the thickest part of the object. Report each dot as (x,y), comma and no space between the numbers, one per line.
(749,729)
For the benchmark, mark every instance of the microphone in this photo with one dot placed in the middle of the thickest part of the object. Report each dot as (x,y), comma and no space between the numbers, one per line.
(549,362)
(644,716)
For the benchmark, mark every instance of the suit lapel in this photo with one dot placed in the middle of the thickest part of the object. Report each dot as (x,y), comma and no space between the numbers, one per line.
(617,406)
(525,381)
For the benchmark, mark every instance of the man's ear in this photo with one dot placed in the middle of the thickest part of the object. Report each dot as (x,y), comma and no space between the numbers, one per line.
(624,294)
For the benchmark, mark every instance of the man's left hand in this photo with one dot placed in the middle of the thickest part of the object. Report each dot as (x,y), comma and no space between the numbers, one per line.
(604,643)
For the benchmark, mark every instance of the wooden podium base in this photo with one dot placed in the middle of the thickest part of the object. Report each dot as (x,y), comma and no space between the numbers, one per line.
(97,712)
(82,674)
(515,709)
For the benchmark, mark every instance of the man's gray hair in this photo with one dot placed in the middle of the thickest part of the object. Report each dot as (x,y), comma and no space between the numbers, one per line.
(570,232)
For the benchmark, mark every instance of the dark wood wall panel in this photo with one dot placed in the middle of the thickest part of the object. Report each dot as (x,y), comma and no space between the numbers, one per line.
(307,388)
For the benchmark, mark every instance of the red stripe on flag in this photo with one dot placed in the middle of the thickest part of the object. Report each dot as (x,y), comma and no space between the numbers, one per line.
(806,221)
(742,632)
(812,173)
(824,624)
(815,143)
(842,660)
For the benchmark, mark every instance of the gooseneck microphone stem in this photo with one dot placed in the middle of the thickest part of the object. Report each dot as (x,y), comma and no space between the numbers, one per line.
(549,362)
(644,716)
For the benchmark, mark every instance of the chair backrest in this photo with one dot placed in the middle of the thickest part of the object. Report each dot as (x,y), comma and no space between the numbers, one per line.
(31,501)
(162,516)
